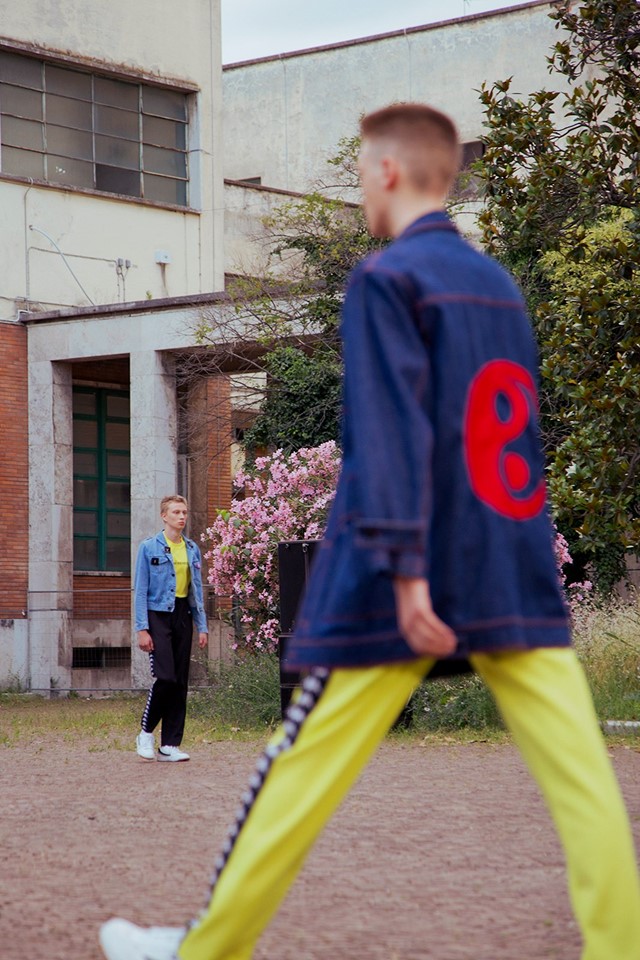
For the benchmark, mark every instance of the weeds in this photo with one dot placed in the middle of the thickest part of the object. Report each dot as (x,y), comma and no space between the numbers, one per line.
(607,640)
(243,694)
(242,699)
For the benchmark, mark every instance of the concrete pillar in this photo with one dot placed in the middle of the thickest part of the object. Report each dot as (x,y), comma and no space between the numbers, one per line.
(153,461)
(221,637)
(50,525)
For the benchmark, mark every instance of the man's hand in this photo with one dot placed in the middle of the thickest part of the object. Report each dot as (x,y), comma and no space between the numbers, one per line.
(144,641)
(202,640)
(424,631)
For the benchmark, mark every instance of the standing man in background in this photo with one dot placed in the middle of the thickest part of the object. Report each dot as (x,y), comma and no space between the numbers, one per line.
(168,599)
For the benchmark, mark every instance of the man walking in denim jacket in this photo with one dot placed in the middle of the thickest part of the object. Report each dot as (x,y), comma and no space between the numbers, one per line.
(168,599)
(439,546)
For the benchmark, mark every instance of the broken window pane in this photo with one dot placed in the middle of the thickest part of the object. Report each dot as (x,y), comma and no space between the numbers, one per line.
(22,133)
(117,180)
(164,103)
(20,102)
(118,153)
(164,133)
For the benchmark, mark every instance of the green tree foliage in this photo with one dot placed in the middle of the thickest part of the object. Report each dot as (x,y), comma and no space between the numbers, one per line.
(302,403)
(318,239)
(561,178)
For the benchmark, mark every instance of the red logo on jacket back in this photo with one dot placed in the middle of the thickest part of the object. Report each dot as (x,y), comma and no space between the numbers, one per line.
(499,476)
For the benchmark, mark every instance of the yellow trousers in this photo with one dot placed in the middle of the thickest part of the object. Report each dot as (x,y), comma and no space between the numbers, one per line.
(311,763)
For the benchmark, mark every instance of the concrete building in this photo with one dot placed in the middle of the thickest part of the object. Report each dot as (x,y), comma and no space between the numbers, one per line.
(285,115)
(112,239)
(118,228)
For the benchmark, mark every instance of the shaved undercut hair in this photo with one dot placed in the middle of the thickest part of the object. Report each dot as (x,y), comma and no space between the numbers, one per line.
(425,139)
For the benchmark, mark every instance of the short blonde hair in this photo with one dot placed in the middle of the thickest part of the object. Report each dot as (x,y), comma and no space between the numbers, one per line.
(171,498)
(427,138)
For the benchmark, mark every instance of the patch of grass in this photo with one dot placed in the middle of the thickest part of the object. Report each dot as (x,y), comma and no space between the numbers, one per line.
(607,641)
(243,694)
(454,703)
(242,700)
(105,724)
(27,718)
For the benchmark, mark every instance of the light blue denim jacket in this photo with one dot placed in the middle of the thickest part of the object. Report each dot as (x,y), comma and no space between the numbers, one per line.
(155,582)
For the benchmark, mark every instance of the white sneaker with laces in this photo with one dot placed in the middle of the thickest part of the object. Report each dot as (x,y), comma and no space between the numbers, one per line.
(172,754)
(145,745)
(121,940)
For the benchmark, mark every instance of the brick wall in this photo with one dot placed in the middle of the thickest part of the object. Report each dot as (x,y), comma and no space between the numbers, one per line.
(14,465)
(101,598)
(209,439)
(219,439)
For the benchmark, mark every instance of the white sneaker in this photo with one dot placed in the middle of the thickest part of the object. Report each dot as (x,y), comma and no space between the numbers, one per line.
(121,940)
(145,745)
(172,753)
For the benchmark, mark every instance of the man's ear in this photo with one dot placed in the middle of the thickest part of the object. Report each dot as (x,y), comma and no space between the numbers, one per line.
(389,171)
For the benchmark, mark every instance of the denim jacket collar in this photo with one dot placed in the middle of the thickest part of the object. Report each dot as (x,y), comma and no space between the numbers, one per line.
(160,539)
(436,220)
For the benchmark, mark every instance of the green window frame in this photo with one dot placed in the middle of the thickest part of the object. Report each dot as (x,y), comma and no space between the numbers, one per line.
(101,480)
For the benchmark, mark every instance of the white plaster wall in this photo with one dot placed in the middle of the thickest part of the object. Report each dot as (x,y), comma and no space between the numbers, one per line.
(14,655)
(150,33)
(244,235)
(283,117)
(92,233)
(165,43)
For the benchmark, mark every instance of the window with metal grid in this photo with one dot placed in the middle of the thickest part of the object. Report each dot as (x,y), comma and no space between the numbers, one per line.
(100,658)
(67,126)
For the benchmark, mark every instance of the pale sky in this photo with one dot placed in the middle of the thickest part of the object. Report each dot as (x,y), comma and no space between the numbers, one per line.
(262,28)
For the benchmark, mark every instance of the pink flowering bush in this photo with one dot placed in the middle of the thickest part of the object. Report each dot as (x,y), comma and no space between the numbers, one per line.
(576,593)
(286,497)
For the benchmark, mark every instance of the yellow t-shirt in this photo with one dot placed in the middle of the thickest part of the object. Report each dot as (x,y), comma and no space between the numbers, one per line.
(181,563)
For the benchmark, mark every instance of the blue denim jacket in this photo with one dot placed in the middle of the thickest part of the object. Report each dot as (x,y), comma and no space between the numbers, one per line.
(155,581)
(442,471)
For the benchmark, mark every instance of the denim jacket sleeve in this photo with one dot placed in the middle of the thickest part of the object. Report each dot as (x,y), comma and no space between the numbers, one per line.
(141,589)
(195,592)
(387,378)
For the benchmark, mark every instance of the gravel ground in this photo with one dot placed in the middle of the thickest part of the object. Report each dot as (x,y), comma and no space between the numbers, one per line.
(441,851)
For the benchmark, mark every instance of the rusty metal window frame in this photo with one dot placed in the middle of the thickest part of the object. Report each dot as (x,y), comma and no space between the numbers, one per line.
(82,129)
